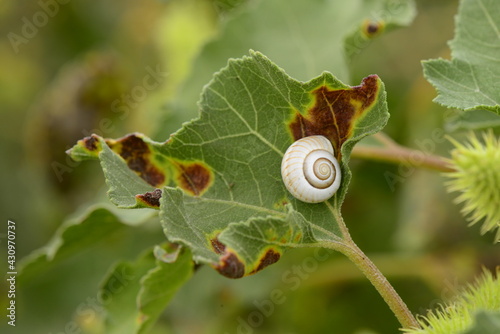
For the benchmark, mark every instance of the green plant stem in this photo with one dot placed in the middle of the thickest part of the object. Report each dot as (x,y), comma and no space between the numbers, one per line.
(378,280)
(349,248)
(390,296)
(395,153)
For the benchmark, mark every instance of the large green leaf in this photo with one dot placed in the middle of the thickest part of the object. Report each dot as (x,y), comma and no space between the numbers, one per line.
(470,80)
(303,37)
(230,205)
(137,170)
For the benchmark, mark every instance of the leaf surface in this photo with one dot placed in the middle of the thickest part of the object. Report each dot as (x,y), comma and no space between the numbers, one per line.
(224,196)
(470,80)
(130,166)
(96,226)
(159,286)
(303,37)
(137,292)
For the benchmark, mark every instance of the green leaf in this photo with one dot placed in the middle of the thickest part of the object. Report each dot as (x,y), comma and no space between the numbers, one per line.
(121,287)
(470,80)
(159,286)
(137,292)
(84,247)
(303,37)
(134,293)
(132,174)
(230,205)
(74,236)
(250,113)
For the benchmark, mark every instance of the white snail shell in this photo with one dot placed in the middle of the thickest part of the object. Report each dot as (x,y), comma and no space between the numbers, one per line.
(310,171)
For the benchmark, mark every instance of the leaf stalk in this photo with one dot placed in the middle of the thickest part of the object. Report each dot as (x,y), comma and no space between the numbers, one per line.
(380,282)
(349,248)
(395,153)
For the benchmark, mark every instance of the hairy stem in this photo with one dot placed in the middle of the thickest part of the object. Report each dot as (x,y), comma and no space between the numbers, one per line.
(374,275)
(390,296)
(395,153)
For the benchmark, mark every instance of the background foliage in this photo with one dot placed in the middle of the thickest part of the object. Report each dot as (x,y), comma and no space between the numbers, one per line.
(61,85)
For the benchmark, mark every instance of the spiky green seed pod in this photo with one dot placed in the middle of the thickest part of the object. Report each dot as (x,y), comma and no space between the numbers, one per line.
(477,178)
(459,316)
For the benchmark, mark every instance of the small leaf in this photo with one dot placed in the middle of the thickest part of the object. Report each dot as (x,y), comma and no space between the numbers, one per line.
(470,80)
(137,292)
(259,242)
(119,290)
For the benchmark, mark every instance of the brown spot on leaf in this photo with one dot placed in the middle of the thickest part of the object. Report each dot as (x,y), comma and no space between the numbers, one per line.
(269,258)
(218,246)
(90,143)
(335,112)
(137,154)
(230,266)
(297,237)
(194,178)
(372,28)
(151,198)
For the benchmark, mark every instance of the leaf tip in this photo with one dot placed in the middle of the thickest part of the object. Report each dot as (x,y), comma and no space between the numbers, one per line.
(86,148)
(230,265)
(150,199)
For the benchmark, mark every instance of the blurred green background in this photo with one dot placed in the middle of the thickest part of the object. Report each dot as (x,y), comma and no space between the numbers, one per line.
(71,75)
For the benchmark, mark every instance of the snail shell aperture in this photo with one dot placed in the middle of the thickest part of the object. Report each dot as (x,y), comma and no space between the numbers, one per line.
(310,171)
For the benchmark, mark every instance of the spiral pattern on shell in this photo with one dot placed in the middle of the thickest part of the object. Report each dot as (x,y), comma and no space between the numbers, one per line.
(309,169)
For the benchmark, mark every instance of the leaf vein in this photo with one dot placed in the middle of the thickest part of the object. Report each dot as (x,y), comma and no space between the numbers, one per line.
(252,131)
